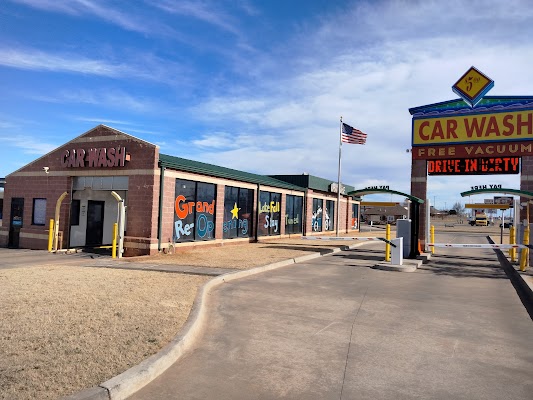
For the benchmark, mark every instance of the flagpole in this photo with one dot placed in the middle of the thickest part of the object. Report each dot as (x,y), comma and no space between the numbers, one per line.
(339,178)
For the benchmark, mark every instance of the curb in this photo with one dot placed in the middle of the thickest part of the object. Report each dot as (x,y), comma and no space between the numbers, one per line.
(132,380)
(406,267)
(523,289)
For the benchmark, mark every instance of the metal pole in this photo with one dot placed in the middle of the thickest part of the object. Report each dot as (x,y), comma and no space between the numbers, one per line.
(120,221)
(51,235)
(114,242)
(524,256)
(387,245)
(432,238)
(56,224)
(339,179)
(501,227)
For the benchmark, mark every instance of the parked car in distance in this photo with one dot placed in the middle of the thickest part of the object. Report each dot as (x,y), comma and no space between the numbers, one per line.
(507,224)
(481,219)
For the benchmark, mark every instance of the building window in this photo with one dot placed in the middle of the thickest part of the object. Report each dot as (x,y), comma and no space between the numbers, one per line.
(238,211)
(293,214)
(75,213)
(269,214)
(355,216)
(194,211)
(316,220)
(329,215)
(39,212)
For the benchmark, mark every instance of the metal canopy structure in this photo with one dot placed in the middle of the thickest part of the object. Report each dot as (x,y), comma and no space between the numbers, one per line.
(362,192)
(414,213)
(491,206)
(521,193)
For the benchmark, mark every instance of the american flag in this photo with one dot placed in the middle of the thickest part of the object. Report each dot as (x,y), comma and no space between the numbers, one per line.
(352,135)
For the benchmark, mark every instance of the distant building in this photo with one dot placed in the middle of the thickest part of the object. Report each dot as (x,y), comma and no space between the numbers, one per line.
(384,215)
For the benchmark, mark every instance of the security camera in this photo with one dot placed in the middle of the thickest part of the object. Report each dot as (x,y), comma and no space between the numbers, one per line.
(46,169)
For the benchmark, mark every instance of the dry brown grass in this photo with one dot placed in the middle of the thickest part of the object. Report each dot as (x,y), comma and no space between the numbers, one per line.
(67,328)
(242,256)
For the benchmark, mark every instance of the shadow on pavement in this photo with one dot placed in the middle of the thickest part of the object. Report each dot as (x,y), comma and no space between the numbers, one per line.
(463,270)
(363,254)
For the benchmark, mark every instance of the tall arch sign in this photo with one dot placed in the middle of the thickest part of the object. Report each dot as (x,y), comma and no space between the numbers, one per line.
(414,212)
(473,135)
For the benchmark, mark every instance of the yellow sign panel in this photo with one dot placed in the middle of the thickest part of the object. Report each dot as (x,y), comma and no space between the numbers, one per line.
(491,206)
(479,128)
(379,203)
(472,84)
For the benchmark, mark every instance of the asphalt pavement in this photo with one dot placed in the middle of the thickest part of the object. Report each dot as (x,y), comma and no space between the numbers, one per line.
(336,328)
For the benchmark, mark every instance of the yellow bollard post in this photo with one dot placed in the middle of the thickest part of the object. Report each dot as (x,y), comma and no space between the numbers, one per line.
(512,240)
(51,235)
(432,238)
(114,244)
(525,252)
(387,246)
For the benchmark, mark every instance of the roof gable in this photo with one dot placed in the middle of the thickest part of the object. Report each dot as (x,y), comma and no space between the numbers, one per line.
(94,135)
(310,182)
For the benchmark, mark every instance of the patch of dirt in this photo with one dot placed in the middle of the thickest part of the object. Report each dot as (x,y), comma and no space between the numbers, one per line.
(67,328)
(248,255)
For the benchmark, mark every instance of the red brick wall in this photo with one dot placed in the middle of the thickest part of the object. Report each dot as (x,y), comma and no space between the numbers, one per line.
(344,214)
(419,189)
(31,182)
(219,204)
(29,188)
(167,229)
(526,183)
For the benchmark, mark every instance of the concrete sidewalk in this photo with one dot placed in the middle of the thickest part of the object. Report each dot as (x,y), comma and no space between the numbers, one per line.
(333,328)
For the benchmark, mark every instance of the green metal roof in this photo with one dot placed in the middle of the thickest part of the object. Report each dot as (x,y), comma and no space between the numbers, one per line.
(310,181)
(197,167)
(521,193)
(363,192)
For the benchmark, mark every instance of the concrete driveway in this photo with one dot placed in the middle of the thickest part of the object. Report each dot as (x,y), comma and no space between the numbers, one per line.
(334,328)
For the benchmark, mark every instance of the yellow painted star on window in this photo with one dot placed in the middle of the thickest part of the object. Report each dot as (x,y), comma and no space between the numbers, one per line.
(235,212)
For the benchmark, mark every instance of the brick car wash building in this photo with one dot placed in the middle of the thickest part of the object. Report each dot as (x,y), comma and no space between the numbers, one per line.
(170,202)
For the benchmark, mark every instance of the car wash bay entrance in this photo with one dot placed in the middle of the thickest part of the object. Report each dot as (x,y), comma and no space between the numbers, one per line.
(94,209)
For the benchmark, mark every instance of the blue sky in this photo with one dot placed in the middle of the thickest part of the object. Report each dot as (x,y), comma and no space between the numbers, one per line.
(254,85)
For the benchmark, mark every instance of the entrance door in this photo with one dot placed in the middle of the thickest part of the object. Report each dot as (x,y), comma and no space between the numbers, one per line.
(95,223)
(15,222)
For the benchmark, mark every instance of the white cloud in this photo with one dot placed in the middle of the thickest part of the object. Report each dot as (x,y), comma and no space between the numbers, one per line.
(102,10)
(144,66)
(201,10)
(368,62)
(393,57)
(114,99)
(28,144)
(39,60)
(103,120)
